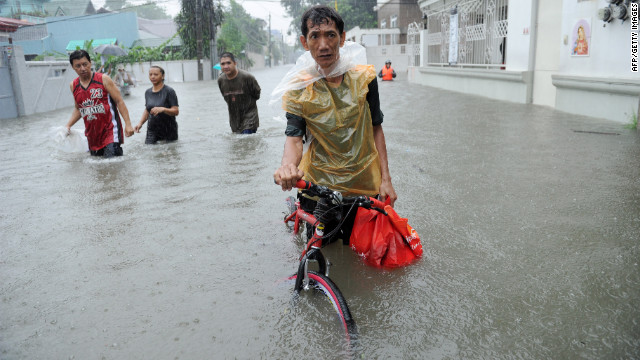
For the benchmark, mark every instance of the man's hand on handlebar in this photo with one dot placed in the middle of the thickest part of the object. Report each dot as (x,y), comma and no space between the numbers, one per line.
(287,176)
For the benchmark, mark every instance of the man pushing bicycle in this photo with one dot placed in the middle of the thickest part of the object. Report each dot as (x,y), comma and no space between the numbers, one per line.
(333,102)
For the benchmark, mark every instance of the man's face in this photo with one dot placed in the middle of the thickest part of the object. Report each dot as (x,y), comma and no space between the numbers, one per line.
(323,42)
(388,65)
(228,66)
(82,67)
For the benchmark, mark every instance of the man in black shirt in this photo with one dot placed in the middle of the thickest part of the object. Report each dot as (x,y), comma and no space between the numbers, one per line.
(241,91)
(341,112)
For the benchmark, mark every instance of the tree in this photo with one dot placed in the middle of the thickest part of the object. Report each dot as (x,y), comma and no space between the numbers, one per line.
(241,32)
(186,22)
(353,12)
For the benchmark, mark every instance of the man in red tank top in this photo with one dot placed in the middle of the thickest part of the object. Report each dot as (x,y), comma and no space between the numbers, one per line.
(99,103)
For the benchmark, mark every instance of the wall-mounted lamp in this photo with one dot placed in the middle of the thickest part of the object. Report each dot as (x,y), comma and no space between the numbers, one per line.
(425,21)
(604,14)
(617,9)
(620,11)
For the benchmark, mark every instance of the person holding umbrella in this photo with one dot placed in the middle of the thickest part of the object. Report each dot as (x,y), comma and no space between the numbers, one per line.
(99,103)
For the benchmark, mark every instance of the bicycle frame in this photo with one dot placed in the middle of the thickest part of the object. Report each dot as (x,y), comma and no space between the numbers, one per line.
(312,249)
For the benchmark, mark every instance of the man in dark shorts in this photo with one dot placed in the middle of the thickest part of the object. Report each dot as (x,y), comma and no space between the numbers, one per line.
(99,103)
(241,91)
(342,114)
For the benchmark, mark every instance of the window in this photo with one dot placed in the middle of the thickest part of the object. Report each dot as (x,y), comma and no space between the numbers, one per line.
(383,24)
(394,21)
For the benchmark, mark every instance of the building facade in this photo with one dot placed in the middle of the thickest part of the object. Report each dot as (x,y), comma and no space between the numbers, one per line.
(397,14)
(573,55)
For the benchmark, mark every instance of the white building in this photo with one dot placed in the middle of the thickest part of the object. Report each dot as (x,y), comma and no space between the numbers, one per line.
(529,51)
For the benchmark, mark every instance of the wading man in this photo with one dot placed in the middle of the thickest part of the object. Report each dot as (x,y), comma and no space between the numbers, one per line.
(387,73)
(341,112)
(99,103)
(241,91)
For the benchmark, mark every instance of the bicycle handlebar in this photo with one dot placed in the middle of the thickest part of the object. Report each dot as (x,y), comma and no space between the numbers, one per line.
(323,191)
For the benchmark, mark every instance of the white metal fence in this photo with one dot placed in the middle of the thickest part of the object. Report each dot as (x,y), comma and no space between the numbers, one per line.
(413,41)
(481,33)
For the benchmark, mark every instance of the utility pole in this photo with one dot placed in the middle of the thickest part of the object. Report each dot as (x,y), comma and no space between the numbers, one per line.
(199,37)
(270,59)
(212,37)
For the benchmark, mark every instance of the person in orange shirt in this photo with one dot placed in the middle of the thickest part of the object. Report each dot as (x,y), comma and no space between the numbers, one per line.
(387,73)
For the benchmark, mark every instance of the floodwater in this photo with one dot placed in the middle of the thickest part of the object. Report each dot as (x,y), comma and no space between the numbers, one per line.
(529,217)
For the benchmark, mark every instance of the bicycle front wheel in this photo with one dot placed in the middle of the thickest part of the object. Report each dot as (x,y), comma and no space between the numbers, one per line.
(319,283)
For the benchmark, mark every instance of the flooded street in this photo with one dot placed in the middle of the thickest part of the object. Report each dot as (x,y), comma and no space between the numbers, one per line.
(529,217)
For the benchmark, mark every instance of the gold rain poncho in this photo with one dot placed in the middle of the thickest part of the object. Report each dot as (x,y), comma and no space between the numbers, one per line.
(341,152)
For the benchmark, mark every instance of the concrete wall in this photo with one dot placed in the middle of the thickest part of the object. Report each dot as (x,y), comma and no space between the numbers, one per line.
(40,86)
(541,69)
(600,84)
(609,50)
(502,85)
(174,71)
(519,33)
(377,55)
(547,52)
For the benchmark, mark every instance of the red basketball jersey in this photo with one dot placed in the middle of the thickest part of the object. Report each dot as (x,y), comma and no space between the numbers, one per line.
(101,118)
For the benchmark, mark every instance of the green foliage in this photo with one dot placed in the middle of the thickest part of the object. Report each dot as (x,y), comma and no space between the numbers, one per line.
(140,54)
(633,121)
(353,12)
(239,32)
(186,21)
(135,55)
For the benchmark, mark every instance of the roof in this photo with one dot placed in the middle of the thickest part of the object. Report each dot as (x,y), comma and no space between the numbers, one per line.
(69,7)
(11,25)
(153,33)
(74,44)
(148,40)
(162,28)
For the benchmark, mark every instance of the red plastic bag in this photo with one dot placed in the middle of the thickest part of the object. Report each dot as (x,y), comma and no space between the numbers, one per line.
(384,241)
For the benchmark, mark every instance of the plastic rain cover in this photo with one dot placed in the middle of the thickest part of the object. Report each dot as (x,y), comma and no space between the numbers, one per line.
(341,153)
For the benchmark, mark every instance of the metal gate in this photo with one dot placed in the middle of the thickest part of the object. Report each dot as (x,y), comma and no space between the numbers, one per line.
(8,108)
(481,32)
(413,40)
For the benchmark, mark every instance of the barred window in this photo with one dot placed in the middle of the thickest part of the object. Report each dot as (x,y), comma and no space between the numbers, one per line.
(482,32)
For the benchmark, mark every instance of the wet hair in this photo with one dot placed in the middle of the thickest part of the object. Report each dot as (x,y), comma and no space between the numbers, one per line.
(159,68)
(77,55)
(321,14)
(228,55)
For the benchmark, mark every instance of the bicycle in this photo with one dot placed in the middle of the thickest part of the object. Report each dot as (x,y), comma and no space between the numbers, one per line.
(319,280)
